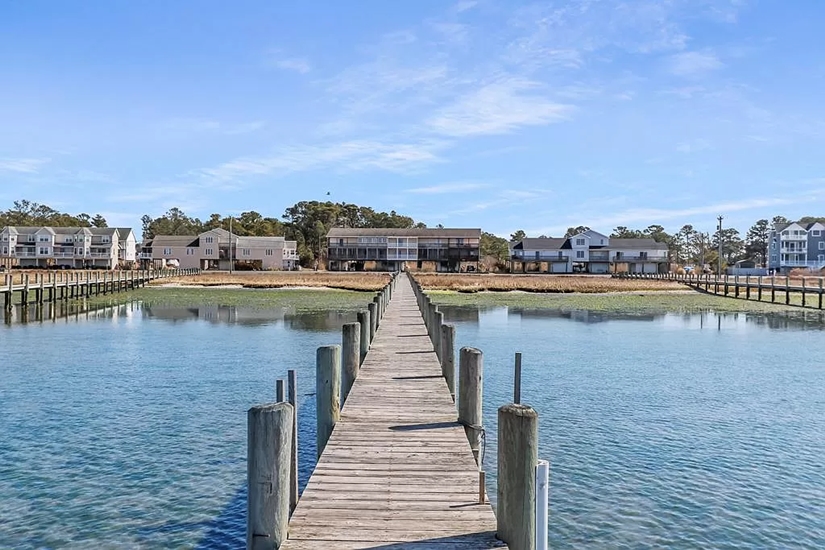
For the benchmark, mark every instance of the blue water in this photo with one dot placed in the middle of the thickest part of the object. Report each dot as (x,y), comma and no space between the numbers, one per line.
(669,431)
(126,428)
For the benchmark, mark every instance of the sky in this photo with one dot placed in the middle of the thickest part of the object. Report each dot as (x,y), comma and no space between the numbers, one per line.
(497,114)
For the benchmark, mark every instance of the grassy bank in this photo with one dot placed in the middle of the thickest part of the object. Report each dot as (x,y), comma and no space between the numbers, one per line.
(281,279)
(644,302)
(557,284)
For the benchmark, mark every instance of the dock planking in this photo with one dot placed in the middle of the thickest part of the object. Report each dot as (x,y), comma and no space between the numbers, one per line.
(397,472)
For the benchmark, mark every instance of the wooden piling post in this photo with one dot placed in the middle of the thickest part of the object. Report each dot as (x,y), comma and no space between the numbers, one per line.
(517,380)
(773,289)
(371,307)
(327,392)
(292,397)
(820,293)
(747,287)
(759,290)
(439,325)
(280,394)
(364,321)
(804,301)
(517,460)
(269,444)
(787,290)
(448,357)
(736,286)
(470,392)
(351,352)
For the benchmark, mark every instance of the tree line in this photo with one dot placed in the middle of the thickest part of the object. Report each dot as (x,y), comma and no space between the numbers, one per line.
(31,214)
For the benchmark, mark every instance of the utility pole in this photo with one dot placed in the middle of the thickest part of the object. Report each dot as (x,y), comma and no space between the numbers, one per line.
(720,218)
(230,244)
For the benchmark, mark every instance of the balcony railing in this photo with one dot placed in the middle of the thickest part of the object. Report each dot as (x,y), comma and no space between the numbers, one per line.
(540,258)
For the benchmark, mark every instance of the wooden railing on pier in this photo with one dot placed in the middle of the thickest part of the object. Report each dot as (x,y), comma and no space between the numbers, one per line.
(53,286)
(810,291)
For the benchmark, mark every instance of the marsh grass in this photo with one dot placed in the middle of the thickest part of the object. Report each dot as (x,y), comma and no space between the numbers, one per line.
(557,284)
(282,279)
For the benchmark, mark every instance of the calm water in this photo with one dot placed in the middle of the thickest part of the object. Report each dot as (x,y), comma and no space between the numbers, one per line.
(127,428)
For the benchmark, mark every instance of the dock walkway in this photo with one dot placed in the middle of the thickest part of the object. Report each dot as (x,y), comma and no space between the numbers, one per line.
(397,472)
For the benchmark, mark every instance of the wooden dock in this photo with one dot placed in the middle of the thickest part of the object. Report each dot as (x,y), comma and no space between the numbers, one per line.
(397,472)
(54,286)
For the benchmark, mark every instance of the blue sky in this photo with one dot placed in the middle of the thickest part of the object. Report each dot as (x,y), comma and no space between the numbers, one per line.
(490,113)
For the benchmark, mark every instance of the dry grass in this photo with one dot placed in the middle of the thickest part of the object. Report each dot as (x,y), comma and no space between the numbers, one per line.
(281,279)
(540,283)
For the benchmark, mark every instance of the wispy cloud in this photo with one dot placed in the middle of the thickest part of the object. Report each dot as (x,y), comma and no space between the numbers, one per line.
(22,165)
(498,108)
(455,187)
(464,5)
(200,125)
(343,156)
(245,127)
(693,64)
(276,59)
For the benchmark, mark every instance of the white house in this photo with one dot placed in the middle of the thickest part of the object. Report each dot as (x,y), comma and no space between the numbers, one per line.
(75,247)
(588,252)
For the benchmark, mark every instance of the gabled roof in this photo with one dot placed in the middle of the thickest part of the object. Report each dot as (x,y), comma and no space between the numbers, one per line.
(392,232)
(124,232)
(161,241)
(642,244)
(540,243)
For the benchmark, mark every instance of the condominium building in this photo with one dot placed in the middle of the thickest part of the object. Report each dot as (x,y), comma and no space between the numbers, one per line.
(795,245)
(387,249)
(70,247)
(588,252)
(214,249)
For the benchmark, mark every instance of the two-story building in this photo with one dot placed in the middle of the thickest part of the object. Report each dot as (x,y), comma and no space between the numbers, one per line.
(795,245)
(216,248)
(69,247)
(388,249)
(588,252)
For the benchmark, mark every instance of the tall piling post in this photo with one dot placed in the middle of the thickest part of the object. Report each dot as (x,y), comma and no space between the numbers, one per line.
(448,357)
(371,308)
(517,380)
(269,443)
(439,324)
(292,398)
(364,321)
(517,460)
(470,394)
(327,392)
(351,357)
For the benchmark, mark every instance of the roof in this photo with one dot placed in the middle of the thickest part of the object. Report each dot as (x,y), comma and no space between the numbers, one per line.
(540,243)
(123,232)
(393,232)
(258,241)
(645,244)
(174,240)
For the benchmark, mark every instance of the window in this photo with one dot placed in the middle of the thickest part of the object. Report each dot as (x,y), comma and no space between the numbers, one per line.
(209,251)
(643,255)
(104,239)
(580,242)
(167,251)
(190,251)
(5,250)
(579,253)
(43,239)
(786,233)
(821,257)
(246,252)
(816,233)
(43,250)
(208,240)
(269,252)
(822,245)
(5,239)
(601,241)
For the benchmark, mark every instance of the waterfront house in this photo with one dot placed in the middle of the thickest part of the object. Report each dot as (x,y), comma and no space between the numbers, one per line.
(214,249)
(69,247)
(588,252)
(795,245)
(388,249)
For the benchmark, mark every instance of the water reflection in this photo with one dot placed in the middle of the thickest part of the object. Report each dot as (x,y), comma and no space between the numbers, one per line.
(793,320)
(230,315)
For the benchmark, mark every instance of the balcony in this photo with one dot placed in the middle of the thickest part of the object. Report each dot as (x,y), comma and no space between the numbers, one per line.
(623,259)
(540,258)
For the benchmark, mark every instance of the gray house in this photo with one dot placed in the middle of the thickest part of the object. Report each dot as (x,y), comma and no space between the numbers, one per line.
(795,245)
(588,252)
